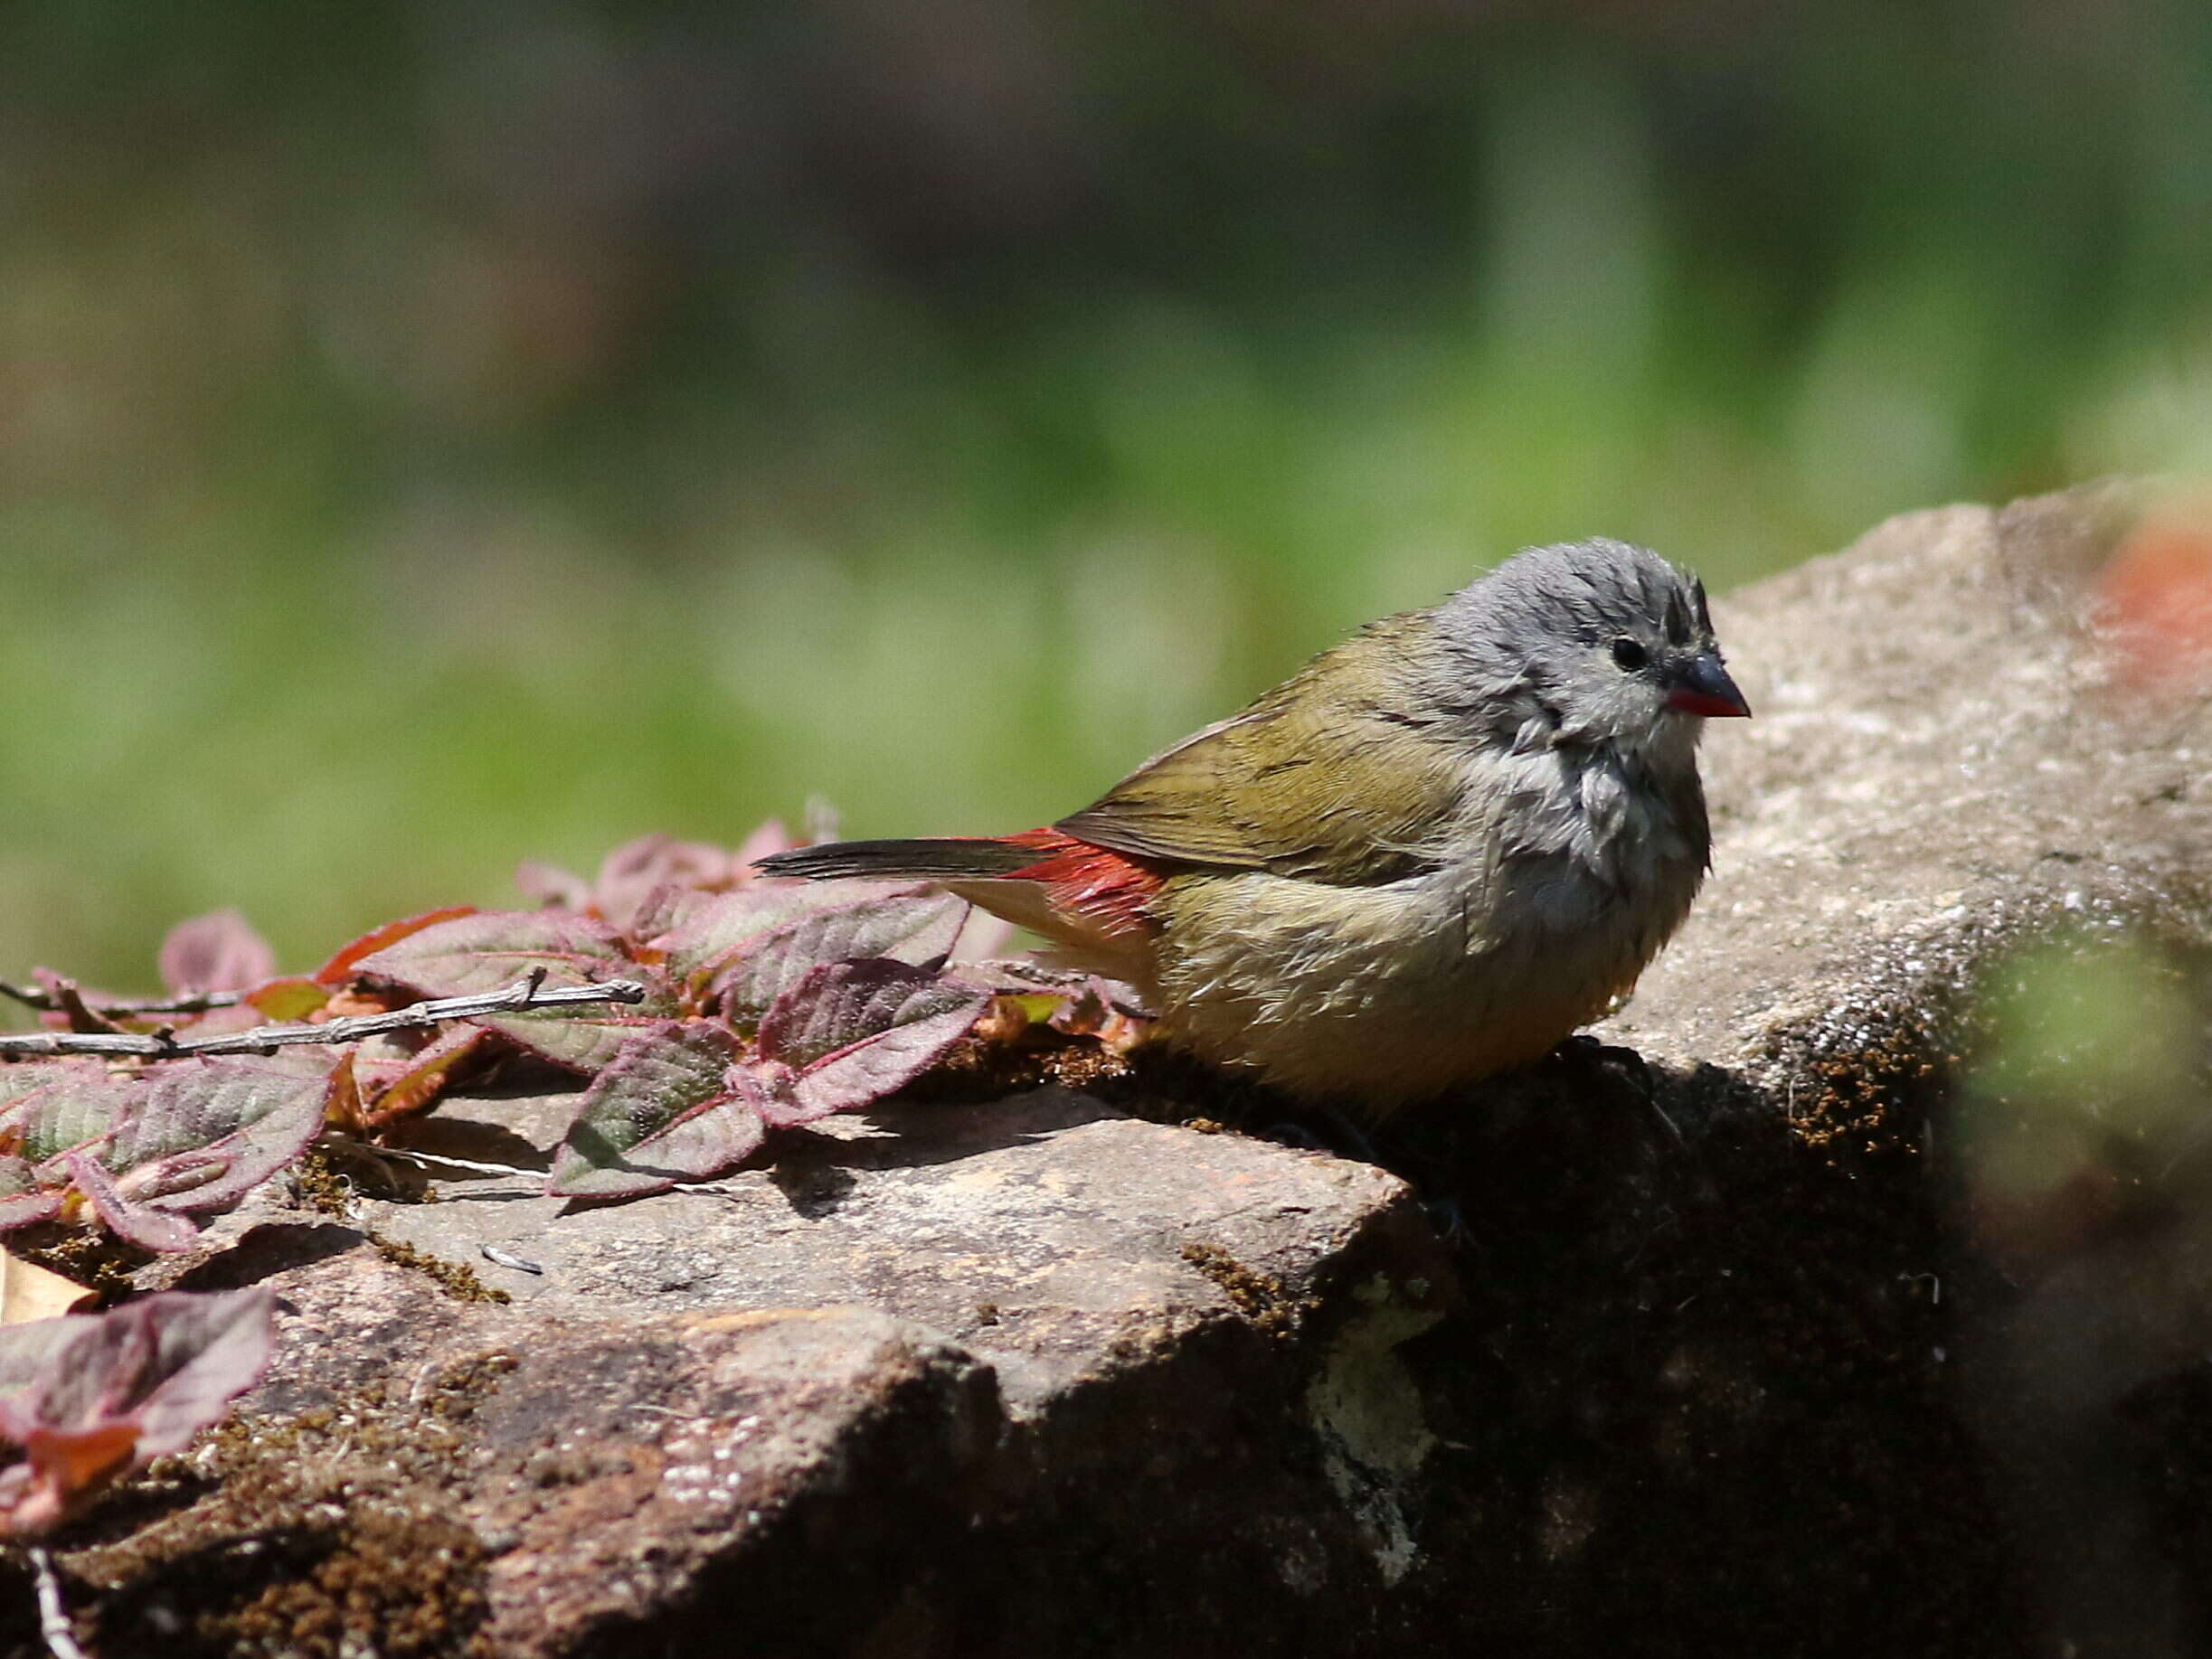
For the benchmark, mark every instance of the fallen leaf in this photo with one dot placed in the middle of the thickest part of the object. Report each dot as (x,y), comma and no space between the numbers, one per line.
(918,931)
(28,1291)
(853,1033)
(663,1110)
(92,1397)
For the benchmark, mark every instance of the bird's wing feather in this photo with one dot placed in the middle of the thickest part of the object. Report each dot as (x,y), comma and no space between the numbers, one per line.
(1326,778)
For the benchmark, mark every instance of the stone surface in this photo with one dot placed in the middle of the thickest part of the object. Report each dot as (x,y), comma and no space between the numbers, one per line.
(896,1393)
(1739,1338)
(1044,1235)
(1940,757)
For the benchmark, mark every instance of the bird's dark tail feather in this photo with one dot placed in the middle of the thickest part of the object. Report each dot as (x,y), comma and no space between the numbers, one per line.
(950,860)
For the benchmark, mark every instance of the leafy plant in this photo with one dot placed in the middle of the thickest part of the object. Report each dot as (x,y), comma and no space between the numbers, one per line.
(700,1007)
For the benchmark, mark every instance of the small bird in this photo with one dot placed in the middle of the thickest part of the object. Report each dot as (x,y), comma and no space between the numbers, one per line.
(1428,855)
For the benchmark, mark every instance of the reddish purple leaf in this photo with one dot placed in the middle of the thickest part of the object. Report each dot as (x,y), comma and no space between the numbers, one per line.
(634,871)
(207,1131)
(663,908)
(770,837)
(144,1149)
(840,1004)
(549,884)
(216,952)
(584,1043)
(660,1112)
(148,1228)
(340,968)
(918,931)
(92,1397)
(22,1199)
(711,928)
(405,1084)
(853,1033)
(641,882)
(490,950)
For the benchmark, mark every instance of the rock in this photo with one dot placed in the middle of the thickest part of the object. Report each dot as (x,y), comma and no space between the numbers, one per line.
(1941,1379)
(1032,1347)
(1939,761)
(1805,1312)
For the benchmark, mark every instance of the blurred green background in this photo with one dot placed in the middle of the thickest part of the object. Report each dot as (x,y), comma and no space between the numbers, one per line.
(437,433)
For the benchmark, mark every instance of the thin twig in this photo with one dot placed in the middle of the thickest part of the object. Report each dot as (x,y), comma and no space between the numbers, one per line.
(525,994)
(194,1002)
(53,1616)
(443,1162)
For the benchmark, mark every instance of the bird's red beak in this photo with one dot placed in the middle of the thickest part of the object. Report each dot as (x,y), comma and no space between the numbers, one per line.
(1702,686)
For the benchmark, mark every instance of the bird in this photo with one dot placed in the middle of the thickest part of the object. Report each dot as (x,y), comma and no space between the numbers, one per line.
(1429,855)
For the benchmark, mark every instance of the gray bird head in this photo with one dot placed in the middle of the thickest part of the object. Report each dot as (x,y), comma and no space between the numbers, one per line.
(1587,641)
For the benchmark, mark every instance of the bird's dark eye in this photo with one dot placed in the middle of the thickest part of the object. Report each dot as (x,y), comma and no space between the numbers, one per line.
(1629,655)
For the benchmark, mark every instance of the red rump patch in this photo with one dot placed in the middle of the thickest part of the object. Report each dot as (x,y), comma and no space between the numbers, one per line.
(1107,889)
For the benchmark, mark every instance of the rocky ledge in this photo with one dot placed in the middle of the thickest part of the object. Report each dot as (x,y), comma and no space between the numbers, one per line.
(1820,1306)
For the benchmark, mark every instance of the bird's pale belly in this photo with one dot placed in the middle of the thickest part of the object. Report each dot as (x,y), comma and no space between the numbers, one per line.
(1380,993)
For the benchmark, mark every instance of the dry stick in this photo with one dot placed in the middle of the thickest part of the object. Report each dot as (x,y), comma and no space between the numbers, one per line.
(190,1002)
(527,995)
(53,1616)
(439,1159)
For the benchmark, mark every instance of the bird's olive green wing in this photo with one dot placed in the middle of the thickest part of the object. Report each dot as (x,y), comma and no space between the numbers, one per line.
(1327,777)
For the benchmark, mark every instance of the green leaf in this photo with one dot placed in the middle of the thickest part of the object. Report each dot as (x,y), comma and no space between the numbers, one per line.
(286,1000)
(28,1078)
(79,1103)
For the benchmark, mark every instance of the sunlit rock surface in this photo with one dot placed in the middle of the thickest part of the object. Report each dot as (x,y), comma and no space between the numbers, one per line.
(1854,1299)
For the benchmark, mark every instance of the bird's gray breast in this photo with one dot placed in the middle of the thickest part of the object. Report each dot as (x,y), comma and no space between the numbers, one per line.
(1589,839)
